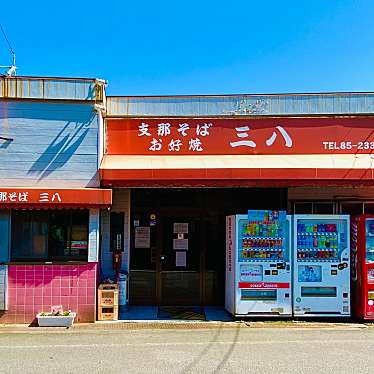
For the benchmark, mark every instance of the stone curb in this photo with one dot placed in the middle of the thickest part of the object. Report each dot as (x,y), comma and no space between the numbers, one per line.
(183,325)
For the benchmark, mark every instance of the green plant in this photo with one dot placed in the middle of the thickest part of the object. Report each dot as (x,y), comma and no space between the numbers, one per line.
(56,313)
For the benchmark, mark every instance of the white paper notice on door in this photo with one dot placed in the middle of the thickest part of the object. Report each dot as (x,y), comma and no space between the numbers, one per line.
(143,237)
(179,244)
(180,228)
(180,259)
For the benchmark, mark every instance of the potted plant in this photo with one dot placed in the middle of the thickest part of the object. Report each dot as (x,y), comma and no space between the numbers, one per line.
(57,317)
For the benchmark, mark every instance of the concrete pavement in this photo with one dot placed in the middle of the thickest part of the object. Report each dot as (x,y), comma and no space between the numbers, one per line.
(238,349)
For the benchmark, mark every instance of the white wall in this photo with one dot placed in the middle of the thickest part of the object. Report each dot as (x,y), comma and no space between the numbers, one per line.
(121,203)
(3,287)
(93,235)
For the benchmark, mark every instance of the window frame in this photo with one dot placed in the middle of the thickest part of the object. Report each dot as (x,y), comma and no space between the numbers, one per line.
(313,204)
(51,253)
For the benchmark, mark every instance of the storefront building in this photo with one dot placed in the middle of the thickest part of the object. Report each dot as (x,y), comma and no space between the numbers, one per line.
(179,165)
(50,200)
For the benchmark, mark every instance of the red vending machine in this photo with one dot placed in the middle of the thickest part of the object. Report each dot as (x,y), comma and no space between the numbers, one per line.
(362,257)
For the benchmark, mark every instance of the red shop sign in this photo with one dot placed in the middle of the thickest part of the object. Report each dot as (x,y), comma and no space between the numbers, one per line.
(55,197)
(225,136)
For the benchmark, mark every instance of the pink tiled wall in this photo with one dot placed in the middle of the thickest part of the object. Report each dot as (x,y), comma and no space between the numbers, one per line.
(35,288)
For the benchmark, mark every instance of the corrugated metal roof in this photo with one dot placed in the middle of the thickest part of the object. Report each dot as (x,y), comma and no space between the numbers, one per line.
(52,88)
(237,105)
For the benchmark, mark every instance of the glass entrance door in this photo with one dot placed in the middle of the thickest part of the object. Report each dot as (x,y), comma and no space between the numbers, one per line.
(143,259)
(180,261)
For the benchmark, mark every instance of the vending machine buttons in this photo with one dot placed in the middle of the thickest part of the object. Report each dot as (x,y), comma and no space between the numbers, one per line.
(334,272)
(267,272)
(274,272)
(342,266)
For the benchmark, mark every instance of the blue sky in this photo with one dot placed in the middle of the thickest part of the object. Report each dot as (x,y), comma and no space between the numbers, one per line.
(196,47)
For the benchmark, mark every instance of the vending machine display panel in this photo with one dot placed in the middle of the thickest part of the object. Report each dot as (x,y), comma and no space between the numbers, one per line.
(321,265)
(258,271)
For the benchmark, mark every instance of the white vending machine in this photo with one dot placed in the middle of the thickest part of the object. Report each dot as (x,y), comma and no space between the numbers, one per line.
(258,271)
(321,266)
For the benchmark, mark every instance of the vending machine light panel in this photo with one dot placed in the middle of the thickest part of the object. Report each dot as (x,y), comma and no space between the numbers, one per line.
(321,265)
(259,283)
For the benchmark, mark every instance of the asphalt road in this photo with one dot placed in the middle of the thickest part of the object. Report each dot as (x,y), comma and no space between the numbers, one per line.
(219,350)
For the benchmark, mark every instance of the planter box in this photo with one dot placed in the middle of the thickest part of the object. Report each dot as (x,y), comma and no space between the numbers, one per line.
(56,321)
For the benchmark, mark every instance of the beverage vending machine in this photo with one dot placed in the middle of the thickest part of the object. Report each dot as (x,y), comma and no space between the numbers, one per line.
(258,274)
(362,255)
(321,265)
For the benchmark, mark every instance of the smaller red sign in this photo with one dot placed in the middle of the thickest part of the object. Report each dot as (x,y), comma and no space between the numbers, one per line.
(266,285)
(54,196)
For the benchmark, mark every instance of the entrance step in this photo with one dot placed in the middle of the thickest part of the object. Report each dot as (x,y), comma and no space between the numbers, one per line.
(151,313)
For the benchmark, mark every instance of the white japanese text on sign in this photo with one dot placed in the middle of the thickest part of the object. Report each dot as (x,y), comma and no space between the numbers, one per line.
(190,139)
(24,197)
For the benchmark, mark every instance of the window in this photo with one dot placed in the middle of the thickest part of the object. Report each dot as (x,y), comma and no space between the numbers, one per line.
(356,208)
(29,235)
(323,208)
(369,208)
(57,235)
(353,208)
(303,208)
(314,207)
